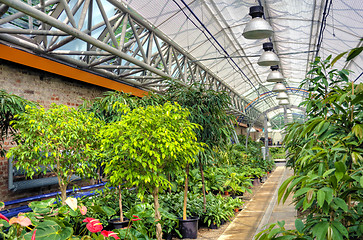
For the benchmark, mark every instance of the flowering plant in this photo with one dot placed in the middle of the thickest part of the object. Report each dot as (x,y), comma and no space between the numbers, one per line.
(15,227)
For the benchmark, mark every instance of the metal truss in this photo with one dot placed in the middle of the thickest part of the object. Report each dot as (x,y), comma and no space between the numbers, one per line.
(108,38)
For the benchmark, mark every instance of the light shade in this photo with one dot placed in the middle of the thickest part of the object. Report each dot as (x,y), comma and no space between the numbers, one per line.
(275,75)
(258,27)
(284,102)
(282,95)
(279,87)
(268,57)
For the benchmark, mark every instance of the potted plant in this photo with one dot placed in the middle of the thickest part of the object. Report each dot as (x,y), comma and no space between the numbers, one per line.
(60,140)
(146,145)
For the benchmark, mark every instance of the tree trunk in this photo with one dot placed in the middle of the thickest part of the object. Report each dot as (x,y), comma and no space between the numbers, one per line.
(169,178)
(159,231)
(120,203)
(63,189)
(203,187)
(185,193)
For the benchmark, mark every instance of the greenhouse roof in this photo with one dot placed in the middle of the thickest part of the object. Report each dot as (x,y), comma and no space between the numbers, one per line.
(190,40)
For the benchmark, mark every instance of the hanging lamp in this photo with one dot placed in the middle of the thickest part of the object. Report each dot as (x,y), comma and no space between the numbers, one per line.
(258,27)
(284,102)
(268,57)
(282,95)
(275,75)
(279,87)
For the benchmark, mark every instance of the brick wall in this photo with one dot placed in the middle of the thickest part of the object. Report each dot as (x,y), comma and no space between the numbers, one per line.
(44,88)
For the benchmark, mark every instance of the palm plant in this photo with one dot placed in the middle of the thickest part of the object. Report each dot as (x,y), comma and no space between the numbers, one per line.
(207,109)
(10,106)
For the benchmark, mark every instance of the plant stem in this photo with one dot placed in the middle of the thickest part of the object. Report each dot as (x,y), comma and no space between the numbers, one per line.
(185,193)
(120,203)
(203,187)
(159,231)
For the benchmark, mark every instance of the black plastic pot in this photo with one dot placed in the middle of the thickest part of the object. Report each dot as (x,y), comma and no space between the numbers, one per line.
(168,236)
(189,228)
(116,224)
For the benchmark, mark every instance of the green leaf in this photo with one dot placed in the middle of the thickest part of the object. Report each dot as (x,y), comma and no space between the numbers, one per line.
(108,211)
(337,58)
(321,197)
(339,175)
(299,225)
(327,173)
(302,191)
(358,131)
(50,230)
(320,230)
(361,181)
(340,227)
(328,194)
(341,203)
(340,170)
(354,52)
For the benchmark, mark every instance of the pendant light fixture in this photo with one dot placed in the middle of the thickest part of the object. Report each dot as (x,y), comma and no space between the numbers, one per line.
(258,27)
(268,57)
(279,87)
(284,102)
(275,75)
(282,95)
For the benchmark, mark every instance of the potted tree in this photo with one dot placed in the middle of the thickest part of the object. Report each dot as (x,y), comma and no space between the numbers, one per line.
(60,140)
(208,109)
(146,145)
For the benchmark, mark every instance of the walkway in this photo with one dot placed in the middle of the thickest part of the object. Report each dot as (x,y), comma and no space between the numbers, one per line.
(262,209)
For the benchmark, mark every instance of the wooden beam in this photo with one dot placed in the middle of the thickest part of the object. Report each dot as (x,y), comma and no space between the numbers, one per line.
(34,61)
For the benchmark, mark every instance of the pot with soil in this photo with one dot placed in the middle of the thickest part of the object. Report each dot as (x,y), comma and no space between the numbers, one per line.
(189,228)
(115,223)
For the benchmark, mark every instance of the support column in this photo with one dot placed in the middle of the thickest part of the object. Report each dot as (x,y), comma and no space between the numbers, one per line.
(248,134)
(266,137)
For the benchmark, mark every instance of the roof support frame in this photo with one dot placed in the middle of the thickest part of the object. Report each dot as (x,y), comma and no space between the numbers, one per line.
(147,39)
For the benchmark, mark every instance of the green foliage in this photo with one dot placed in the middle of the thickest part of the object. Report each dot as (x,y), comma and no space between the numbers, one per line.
(110,107)
(61,140)
(207,109)
(326,154)
(146,144)
(277,152)
(10,106)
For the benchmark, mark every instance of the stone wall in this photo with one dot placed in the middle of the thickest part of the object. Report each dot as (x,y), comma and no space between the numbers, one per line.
(44,88)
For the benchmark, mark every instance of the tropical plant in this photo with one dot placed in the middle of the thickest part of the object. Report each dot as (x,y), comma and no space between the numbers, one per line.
(326,153)
(237,184)
(60,140)
(145,145)
(217,210)
(207,109)
(10,106)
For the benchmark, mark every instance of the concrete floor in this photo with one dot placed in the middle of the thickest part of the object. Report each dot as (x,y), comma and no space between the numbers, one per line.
(262,209)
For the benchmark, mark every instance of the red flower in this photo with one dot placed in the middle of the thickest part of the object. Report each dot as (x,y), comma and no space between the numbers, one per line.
(136,218)
(109,234)
(3,217)
(33,236)
(94,226)
(89,219)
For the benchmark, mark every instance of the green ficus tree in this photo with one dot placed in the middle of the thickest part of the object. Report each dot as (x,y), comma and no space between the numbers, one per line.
(60,140)
(326,154)
(147,144)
